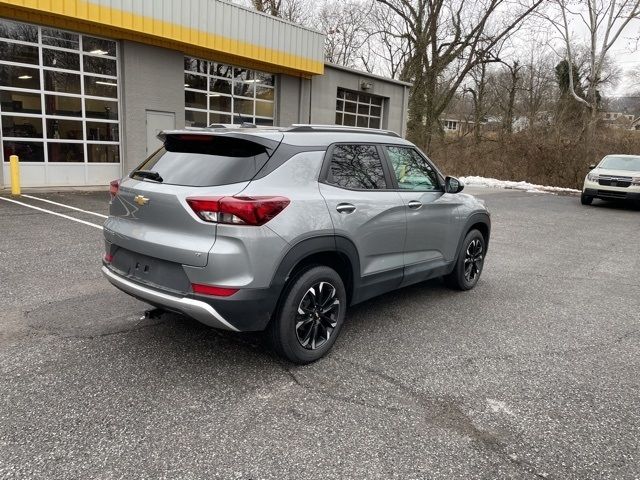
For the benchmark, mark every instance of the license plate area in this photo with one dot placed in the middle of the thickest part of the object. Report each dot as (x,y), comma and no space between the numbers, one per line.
(152,271)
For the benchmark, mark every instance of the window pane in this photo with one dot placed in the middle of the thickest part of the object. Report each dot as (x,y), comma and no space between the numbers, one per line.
(19,77)
(195,99)
(20,102)
(374,123)
(101,109)
(338,119)
(100,87)
(65,152)
(264,93)
(363,109)
(264,78)
(64,129)
(244,89)
(264,121)
(59,38)
(18,31)
(104,66)
(376,111)
(61,82)
(264,109)
(195,119)
(103,153)
(16,52)
(339,105)
(351,96)
(195,65)
(362,122)
(242,74)
(63,106)
(349,120)
(221,70)
(356,167)
(60,59)
(219,118)
(376,100)
(411,170)
(219,102)
(199,82)
(105,132)
(244,107)
(21,127)
(220,86)
(27,151)
(98,46)
(350,107)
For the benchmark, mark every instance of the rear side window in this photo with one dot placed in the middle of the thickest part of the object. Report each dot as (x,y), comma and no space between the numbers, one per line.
(357,167)
(205,161)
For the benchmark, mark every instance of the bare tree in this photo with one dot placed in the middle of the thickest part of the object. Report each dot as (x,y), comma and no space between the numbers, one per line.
(298,11)
(605,21)
(448,38)
(347,26)
(506,86)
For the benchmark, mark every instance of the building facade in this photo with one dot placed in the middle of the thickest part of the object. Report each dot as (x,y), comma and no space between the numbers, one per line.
(86,85)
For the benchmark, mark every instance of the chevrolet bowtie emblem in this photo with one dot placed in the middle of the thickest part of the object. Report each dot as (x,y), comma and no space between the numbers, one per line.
(141,200)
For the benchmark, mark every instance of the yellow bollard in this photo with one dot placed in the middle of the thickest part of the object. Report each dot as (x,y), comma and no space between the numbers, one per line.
(14,166)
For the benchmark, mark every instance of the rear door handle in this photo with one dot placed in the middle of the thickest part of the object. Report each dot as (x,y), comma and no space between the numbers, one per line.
(414,204)
(345,208)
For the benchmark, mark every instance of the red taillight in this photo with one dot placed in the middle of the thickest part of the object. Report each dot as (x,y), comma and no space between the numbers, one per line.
(114,186)
(211,290)
(238,210)
(108,257)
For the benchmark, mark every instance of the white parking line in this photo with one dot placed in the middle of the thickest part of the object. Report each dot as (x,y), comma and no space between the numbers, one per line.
(94,225)
(66,206)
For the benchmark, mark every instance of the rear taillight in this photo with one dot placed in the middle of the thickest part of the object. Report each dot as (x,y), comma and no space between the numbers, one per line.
(114,186)
(238,210)
(108,258)
(212,290)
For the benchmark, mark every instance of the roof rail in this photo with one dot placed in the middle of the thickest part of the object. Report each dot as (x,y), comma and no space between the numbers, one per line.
(308,127)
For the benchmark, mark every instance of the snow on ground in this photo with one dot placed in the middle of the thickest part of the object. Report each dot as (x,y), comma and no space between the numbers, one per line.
(509,184)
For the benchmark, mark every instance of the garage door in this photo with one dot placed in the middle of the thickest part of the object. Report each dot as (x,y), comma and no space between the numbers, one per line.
(59,105)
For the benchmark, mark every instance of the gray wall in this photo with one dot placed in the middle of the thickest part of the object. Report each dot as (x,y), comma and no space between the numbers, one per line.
(152,79)
(295,95)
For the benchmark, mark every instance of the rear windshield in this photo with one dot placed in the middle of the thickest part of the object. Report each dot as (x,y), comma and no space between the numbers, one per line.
(205,161)
(614,162)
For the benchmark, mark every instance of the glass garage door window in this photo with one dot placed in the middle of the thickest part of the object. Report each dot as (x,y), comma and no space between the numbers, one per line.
(217,93)
(356,109)
(58,95)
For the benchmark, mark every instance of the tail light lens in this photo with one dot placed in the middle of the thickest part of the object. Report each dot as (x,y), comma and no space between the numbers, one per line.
(114,186)
(238,210)
(212,290)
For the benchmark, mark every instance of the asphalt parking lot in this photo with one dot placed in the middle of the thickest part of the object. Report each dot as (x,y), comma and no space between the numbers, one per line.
(534,374)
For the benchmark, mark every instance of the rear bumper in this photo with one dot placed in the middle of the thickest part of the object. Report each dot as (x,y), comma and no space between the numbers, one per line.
(607,194)
(199,310)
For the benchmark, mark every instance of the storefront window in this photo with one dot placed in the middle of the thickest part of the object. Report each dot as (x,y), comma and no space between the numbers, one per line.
(355,109)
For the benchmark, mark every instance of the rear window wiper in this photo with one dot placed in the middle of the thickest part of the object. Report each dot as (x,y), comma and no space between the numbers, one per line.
(150,174)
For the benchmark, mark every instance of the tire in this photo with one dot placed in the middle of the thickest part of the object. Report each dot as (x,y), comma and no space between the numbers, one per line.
(586,199)
(300,332)
(468,267)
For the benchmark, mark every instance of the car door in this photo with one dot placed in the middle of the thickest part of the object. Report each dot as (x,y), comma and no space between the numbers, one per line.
(430,242)
(355,185)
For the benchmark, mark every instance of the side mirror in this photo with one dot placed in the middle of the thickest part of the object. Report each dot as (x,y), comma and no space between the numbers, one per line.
(592,166)
(453,185)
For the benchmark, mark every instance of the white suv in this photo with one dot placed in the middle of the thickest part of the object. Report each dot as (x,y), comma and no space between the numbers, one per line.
(616,177)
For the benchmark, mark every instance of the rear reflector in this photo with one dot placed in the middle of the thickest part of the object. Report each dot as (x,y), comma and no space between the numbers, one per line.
(114,186)
(108,257)
(211,290)
(238,210)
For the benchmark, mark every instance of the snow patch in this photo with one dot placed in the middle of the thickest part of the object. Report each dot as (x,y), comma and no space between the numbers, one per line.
(509,184)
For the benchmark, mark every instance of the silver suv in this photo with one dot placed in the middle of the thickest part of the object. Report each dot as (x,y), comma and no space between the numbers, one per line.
(281,229)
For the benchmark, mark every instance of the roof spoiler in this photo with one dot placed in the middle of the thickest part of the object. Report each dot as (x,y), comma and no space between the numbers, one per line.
(269,140)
